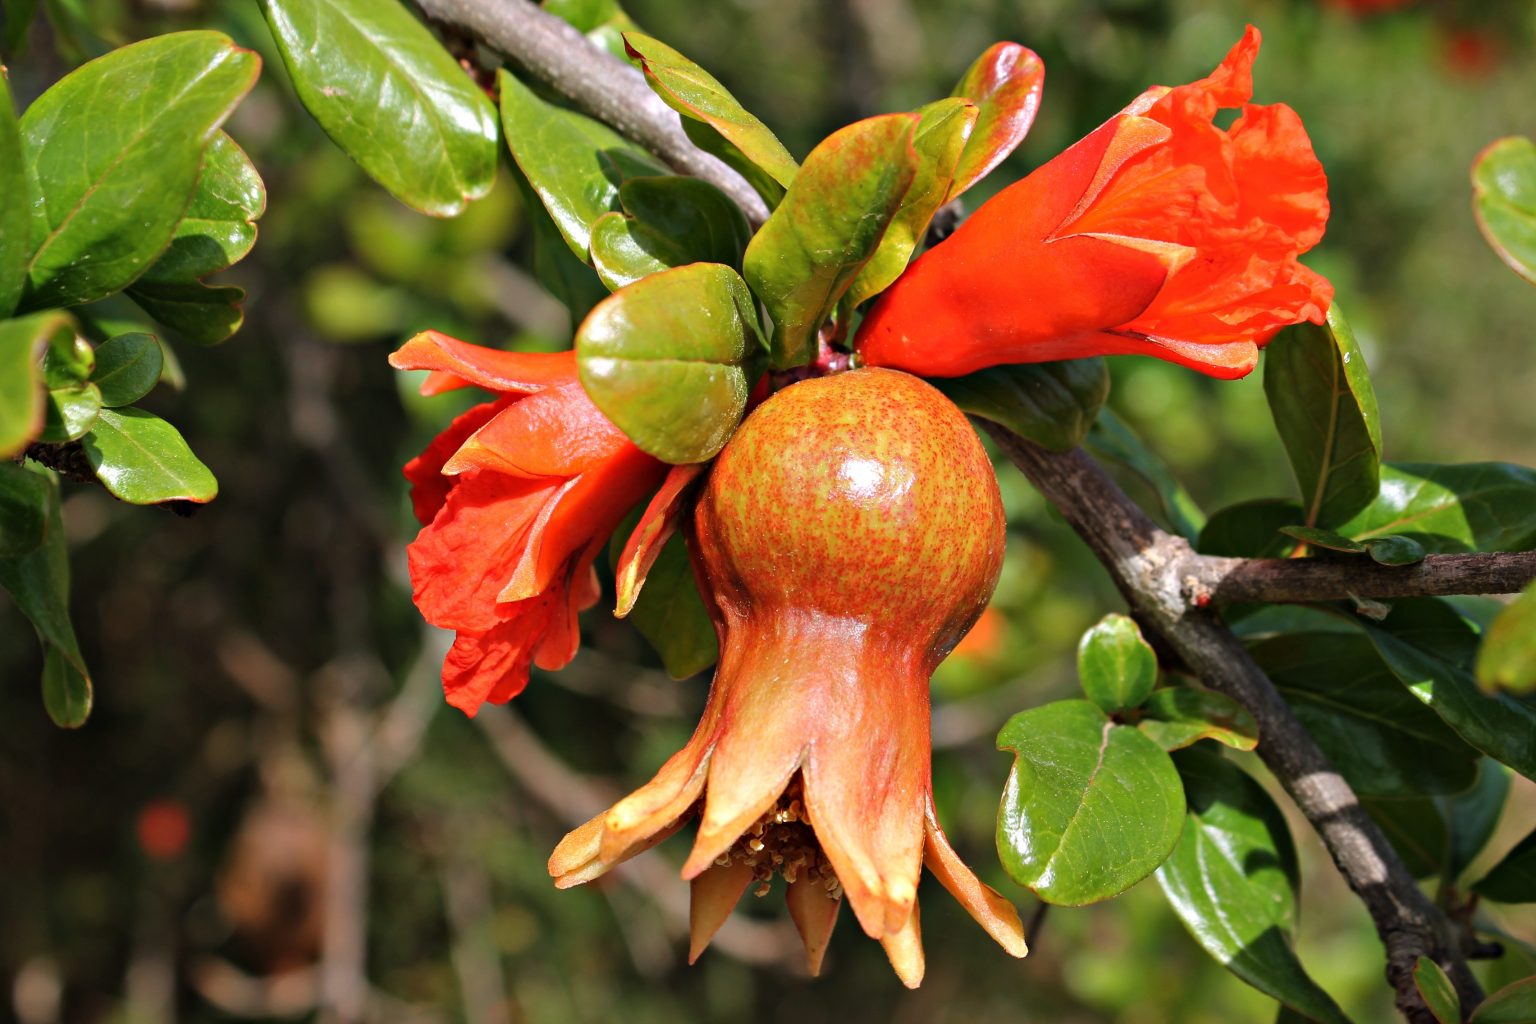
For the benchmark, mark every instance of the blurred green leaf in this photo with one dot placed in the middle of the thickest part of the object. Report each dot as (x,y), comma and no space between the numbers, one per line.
(1437,991)
(696,94)
(669,359)
(802,261)
(667,222)
(1384,741)
(391,97)
(69,412)
(1512,1004)
(1417,830)
(1430,649)
(1111,438)
(16,18)
(1090,807)
(22,341)
(1395,550)
(1180,716)
(1473,815)
(940,137)
(1233,881)
(1504,197)
(1320,395)
(1005,84)
(144,460)
(15,203)
(1251,529)
(670,614)
(127,368)
(68,361)
(1328,539)
(1507,658)
(1052,404)
(202,313)
(24,500)
(1117,668)
(1474,506)
(113,153)
(67,693)
(1512,879)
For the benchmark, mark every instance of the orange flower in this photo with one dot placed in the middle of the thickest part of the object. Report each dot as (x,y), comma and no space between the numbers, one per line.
(516,499)
(1159,234)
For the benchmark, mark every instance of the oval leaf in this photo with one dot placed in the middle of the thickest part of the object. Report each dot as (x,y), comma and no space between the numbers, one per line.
(1180,716)
(142,459)
(70,412)
(667,222)
(1504,197)
(15,206)
(1512,1004)
(67,692)
(113,153)
(24,500)
(1475,506)
(1052,404)
(1507,658)
(667,359)
(391,97)
(1232,880)
(1117,668)
(802,261)
(1395,550)
(1326,539)
(127,368)
(1090,808)
(1321,398)
(22,341)
(1436,990)
(1513,879)
(1005,84)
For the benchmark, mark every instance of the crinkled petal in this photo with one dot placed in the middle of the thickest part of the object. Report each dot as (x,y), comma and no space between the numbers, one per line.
(459,364)
(555,432)
(429,487)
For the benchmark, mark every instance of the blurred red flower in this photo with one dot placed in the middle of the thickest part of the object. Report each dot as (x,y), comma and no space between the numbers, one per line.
(1159,234)
(516,499)
(164,829)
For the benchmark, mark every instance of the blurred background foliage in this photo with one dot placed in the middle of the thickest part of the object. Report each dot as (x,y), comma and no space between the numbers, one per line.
(269,748)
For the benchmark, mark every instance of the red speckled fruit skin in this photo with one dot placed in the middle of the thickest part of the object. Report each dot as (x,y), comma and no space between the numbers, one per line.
(863,500)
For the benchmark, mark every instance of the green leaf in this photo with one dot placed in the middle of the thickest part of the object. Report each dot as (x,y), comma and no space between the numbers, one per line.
(670,614)
(127,368)
(16,18)
(1180,716)
(1475,506)
(574,164)
(1507,658)
(1473,815)
(1382,739)
(113,153)
(143,460)
(1504,198)
(1005,84)
(1320,395)
(22,342)
(1232,880)
(695,94)
(1090,808)
(1417,830)
(1117,668)
(1111,438)
(670,359)
(1430,648)
(66,690)
(941,133)
(802,261)
(1052,404)
(391,97)
(1395,550)
(1512,1004)
(1320,538)
(667,222)
(70,412)
(15,205)
(1437,991)
(718,146)
(1251,529)
(24,500)
(1513,879)
(199,312)
(68,361)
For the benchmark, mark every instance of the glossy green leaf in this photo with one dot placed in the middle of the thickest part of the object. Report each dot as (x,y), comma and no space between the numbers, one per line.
(1475,506)
(1052,404)
(127,368)
(1382,739)
(1090,807)
(24,501)
(667,222)
(802,261)
(1111,438)
(68,361)
(143,460)
(15,206)
(1251,529)
(1472,816)
(671,358)
(1326,539)
(1512,1004)
(22,341)
(1320,395)
(1504,197)
(1417,830)
(202,313)
(1436,990)
(391,97)
(1512,879)
(1395,550)
(555,266)
(670,614)
(1005,84)
(67,692)
(114,150)
(574,164)
(941,133)
(718,146)
(69,412)
(1180,716)
(697,95)
(1233,880)
(1116,666)
(1430,648)
(1507,658)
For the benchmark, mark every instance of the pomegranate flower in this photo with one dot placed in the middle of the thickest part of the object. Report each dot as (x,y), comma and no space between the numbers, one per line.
(516,499)
(848,536)
(1159,234)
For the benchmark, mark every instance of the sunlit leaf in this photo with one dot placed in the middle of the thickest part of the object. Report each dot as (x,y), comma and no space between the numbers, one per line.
(1115,665)
(667,222)
(1512,1004)
(15,205)
(1436,990)
(1474,506)
(69,412)
(1180,716)
(144,460)
(127,368)
(1005,84)
(1507,658)
(22,342)
(1504,196)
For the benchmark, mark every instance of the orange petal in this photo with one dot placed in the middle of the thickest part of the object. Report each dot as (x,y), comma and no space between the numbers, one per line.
(981,901)
(656,526)
(429,488)
(904,947)
(578,860)
(459,363)
(556,432)
(814,912)
(713,895)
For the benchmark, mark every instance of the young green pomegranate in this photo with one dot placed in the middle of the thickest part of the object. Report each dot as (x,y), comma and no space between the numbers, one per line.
(848,536)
